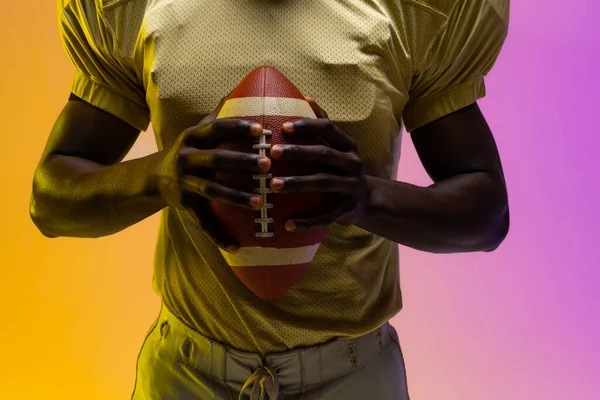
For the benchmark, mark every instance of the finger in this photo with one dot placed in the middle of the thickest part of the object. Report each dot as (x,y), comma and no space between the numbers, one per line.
(213,229)
(348,162)
(221,159)
(206,135)
(322,221)
(324,128)
(209,224)
(319,112)
(314,183)
(216,192)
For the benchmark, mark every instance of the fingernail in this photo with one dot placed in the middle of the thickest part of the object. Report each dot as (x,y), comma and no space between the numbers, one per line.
(255,202)
(264,163)
(288,127)
(232,249)
(290,226)
(256,129)
(276,184)
(277,151)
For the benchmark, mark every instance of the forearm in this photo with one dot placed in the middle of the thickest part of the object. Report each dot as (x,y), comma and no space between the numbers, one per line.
(462,214)
(75,197)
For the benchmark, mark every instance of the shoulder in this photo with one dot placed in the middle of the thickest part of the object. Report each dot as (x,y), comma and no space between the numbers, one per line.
(446,7)
(441,7)
(126,9)
(427,19)
(108,4)
(113,14)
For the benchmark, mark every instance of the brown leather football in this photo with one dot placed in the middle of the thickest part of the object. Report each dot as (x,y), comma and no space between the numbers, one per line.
(270,259)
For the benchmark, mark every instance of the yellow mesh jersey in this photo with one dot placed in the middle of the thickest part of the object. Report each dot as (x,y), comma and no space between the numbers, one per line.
(372,65)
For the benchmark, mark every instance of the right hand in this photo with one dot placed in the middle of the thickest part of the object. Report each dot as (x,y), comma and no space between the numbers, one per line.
(183,176)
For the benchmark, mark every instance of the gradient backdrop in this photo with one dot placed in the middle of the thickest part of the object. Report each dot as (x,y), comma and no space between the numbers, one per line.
(521,323)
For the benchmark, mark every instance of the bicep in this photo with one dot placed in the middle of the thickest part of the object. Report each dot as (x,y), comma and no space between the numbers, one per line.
(85,131)
(458,143)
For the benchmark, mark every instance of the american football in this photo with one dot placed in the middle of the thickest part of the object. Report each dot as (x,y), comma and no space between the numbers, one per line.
(270,259)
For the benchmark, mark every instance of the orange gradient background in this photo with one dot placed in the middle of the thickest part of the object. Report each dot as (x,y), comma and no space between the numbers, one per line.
(75,311)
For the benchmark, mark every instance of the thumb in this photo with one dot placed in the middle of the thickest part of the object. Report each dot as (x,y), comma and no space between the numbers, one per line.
(212,228)
(319,112)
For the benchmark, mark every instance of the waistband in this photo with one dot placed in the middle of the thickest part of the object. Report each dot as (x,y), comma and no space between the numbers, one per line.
(299,369)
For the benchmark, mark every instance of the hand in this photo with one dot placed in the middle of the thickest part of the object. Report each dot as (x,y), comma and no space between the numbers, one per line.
(183,176)
(345,177)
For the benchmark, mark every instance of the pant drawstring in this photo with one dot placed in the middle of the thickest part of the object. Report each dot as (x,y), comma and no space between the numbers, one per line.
(264,381)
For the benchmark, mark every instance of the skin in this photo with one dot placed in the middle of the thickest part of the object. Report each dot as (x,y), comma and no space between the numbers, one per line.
(81,187)
(465,210)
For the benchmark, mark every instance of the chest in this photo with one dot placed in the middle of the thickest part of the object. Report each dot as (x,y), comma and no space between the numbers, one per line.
(201,49)
(337,52)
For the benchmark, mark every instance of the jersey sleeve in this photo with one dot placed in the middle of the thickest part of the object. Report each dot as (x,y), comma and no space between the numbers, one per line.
(450,69)
(101,78)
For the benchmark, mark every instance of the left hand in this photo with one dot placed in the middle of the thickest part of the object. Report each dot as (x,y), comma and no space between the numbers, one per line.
(345,178)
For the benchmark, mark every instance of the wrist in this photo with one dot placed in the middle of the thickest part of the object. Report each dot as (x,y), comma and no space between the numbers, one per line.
(161,183)
(154,178)
(374,200)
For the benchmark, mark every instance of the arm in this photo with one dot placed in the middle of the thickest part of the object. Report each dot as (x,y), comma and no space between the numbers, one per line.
(465,210)
(80,187)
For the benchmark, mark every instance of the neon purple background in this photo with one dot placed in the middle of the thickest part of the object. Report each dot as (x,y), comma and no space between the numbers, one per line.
(522,322)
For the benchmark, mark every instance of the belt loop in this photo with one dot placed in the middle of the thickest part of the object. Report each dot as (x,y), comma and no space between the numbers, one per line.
(224,350)
(164,328)
(187,349)
(302,372)
(320,349)
(352,353)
